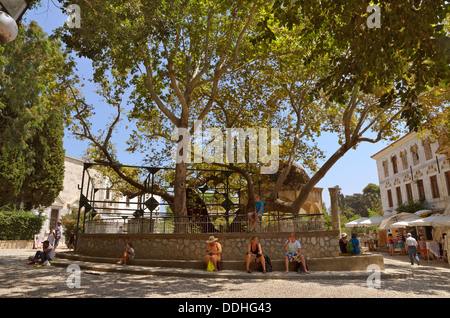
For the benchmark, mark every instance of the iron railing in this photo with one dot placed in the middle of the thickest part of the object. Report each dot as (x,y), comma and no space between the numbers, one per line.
(270,223)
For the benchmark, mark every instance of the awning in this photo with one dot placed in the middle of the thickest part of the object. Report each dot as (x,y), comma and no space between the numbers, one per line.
(356,223)
(373,221)
(434,220)
(386,223)
(402,224)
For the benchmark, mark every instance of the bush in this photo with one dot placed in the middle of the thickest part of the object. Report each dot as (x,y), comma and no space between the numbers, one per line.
(411,206)
(19,224)
(69,222)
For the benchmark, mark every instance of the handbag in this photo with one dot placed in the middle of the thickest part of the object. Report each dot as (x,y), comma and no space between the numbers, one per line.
(210,267)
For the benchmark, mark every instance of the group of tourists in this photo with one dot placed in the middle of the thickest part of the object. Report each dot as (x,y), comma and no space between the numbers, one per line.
(351,246)
(408,245)
(254,254)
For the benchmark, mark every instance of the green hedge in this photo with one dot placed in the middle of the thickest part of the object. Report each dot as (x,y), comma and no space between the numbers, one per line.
(19,224)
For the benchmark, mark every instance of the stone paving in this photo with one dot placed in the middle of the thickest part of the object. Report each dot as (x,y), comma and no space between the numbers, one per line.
(18,280)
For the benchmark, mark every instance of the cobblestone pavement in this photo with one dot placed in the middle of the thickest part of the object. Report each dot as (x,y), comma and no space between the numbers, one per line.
(17,280)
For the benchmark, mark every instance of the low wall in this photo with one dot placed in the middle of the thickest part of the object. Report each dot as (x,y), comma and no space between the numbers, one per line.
(192,246)
(16,244)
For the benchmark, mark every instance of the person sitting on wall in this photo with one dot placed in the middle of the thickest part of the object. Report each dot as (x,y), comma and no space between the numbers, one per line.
(45,256)
(213,252)
(293,253)
(343,243)
(128,255)
(256,215)
(356,246)
(254,254)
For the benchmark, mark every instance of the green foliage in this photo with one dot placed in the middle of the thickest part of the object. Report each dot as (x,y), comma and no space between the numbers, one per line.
(296,66)
(69,222)
(405,57)
(411,206)
(33,97)
(366,204)
(19,224)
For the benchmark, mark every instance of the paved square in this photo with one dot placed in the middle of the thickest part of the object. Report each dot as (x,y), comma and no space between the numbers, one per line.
(431,280)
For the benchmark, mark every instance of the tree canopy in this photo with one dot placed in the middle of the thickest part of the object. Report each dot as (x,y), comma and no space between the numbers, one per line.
(303,66)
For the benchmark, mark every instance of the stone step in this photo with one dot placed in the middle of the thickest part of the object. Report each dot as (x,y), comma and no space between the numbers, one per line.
(340,263)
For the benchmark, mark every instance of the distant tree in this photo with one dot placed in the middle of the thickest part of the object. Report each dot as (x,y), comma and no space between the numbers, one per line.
(365,204)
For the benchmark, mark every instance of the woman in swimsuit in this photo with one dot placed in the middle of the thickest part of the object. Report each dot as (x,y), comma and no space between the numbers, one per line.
(254,254)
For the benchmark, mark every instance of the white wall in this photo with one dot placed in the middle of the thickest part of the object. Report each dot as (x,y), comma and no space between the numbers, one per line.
(422,171)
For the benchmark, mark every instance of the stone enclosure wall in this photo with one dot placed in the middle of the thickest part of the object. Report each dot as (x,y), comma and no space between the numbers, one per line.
(192,246)
(16,244)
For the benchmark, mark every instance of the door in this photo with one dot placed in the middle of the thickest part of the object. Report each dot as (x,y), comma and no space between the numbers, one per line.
(54,215)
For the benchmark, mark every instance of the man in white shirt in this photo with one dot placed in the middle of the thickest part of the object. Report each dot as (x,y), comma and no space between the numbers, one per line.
(47,254)
(293,252)
(411,243)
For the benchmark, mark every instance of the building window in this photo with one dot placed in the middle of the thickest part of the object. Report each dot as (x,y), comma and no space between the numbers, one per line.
(107,194)
(399,195)
(415,154)
(385,168)
(404,159)
(409,192)
(128,201)
(421,189)
(427,147)
(389,194)
(394,164)
(434,187)
(447,178)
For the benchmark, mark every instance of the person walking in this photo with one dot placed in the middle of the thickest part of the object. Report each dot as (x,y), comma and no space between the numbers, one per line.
(411,243)
(51,237)
(391,244)
(71,243)
(58,232)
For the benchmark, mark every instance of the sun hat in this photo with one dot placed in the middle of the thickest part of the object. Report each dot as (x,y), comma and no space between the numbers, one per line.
(343,235)
(212,239)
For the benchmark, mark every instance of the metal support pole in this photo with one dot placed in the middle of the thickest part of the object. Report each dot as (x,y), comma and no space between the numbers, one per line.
(79,208)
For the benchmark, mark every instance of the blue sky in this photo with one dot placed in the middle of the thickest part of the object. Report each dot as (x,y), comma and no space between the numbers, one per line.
(351,173)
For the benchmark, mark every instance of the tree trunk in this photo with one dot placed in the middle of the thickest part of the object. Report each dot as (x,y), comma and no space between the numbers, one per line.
(294,207)
(180,211)
(303,196)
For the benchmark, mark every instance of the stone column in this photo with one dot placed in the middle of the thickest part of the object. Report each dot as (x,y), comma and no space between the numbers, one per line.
(335,220)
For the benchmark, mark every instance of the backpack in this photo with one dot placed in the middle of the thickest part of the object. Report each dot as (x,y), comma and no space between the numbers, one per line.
(349,247)
(268,264)
(299,267)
